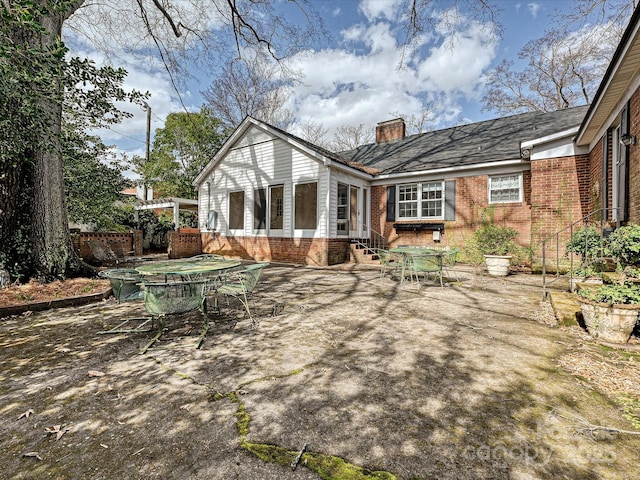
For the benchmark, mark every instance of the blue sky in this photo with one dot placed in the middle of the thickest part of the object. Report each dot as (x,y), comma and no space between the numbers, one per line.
(353,77)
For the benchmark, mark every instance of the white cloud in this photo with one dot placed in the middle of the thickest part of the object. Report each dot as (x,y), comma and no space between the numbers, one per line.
(379,9)
(534,8)
(366,86)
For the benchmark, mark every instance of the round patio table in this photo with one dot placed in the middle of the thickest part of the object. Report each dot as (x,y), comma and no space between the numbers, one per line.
(192,269)
(408,252)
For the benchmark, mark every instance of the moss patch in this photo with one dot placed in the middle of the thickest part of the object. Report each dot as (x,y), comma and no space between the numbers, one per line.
(328,467)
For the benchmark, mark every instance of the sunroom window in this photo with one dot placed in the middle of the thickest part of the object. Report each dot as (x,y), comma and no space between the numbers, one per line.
(421,200)
(236,210)
(505,188)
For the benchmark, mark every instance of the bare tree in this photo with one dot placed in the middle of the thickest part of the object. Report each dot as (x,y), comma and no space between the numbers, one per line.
(349,137)
(315,133)
(250,86)
(563,69)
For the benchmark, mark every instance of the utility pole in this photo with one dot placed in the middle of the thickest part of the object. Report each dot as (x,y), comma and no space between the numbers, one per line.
(148,108)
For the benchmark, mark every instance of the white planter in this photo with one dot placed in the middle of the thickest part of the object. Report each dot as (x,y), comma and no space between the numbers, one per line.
(611,323)
(498,265)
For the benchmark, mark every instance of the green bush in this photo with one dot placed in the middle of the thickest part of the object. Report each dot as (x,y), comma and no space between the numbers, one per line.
(612,294)
(586,242)
(624,245)
(492,239)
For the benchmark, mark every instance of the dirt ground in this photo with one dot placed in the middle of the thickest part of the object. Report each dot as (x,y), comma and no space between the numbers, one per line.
(370,378)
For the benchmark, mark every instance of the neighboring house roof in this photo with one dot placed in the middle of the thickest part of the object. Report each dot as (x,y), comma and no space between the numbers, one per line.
(618,84)
(466,145)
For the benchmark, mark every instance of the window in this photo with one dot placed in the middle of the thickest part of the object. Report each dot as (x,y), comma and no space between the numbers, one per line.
(421,200)
(236,210)
(259,209)
(505,188)
(343,207)
(276,209)
(306,206)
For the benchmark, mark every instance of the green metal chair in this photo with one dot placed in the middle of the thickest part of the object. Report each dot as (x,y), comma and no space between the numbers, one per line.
(207,256)
(449,261)
(427,264)
(124,283)
(386,258)
(240,284)
(161,299)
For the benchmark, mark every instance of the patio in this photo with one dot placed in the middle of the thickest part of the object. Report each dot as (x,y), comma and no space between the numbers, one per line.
(460,382)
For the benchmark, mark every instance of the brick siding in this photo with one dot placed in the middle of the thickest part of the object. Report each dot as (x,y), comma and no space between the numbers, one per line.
(302,251)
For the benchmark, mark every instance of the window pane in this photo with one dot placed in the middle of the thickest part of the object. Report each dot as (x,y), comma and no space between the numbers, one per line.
(276,213)
(259,209)
(408,201)
(432,199)
(236,210)
(505,188)
(306,206)
(343,195)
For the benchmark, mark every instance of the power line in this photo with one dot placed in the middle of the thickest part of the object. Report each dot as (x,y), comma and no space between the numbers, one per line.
(125,135)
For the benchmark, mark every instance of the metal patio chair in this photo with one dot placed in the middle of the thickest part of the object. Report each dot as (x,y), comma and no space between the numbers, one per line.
(386,258)
(449,261)
(102,253)
(427,264)
(125,283)
(162,299)
(240,284)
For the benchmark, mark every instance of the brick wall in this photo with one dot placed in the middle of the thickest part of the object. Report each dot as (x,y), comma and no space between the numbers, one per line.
(472,205)
(183,245)
(561,193)
(302,251)
(130,241)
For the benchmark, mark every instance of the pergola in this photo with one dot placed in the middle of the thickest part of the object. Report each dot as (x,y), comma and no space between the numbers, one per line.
(176,204)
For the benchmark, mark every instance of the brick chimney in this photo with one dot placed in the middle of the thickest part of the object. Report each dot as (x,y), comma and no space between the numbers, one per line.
(390,130)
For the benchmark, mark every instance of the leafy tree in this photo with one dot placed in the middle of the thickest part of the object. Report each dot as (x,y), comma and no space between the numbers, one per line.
(92,178)
(34,77)
(180,151)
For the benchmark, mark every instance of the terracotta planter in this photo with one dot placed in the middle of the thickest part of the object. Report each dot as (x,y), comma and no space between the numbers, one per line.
(611,323)
(498,265)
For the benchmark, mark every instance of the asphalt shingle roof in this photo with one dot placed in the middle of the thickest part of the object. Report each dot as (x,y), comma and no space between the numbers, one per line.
(488,141)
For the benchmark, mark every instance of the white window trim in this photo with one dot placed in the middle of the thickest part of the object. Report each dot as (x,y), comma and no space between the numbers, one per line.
(305,232)
(419,201)
(235,231)
(491,177)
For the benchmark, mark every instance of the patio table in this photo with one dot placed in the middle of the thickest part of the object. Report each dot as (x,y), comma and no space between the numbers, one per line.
(190,269)
(407,252)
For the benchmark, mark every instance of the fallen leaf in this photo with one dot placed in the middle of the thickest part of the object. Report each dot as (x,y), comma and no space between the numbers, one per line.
(95,373)
(26,414)
(58,430)
(32,454)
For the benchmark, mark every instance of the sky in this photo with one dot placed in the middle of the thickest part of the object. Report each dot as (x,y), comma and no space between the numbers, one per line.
(353,76)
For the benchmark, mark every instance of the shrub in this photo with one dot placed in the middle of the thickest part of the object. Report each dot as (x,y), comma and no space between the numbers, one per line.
(586,242)
(624,245)
(612,294)
(492,239)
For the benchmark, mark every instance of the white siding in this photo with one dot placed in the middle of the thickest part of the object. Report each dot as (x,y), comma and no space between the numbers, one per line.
(338,176)
(258,161)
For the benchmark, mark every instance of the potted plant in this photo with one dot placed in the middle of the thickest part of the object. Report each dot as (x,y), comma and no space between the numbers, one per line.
(610,311)
(497,246)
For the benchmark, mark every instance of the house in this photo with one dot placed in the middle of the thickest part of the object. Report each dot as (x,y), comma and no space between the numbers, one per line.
(269,195)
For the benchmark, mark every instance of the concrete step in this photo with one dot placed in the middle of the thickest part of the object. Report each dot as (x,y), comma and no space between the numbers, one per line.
(566,307)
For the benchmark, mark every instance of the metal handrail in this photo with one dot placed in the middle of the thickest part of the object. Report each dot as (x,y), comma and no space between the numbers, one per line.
(584,221)
(376,240)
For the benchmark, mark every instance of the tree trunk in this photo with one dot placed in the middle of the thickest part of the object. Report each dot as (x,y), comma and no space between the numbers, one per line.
(54,256)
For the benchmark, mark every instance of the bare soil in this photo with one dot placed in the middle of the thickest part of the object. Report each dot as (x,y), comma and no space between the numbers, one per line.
(374,379)
(36,292)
